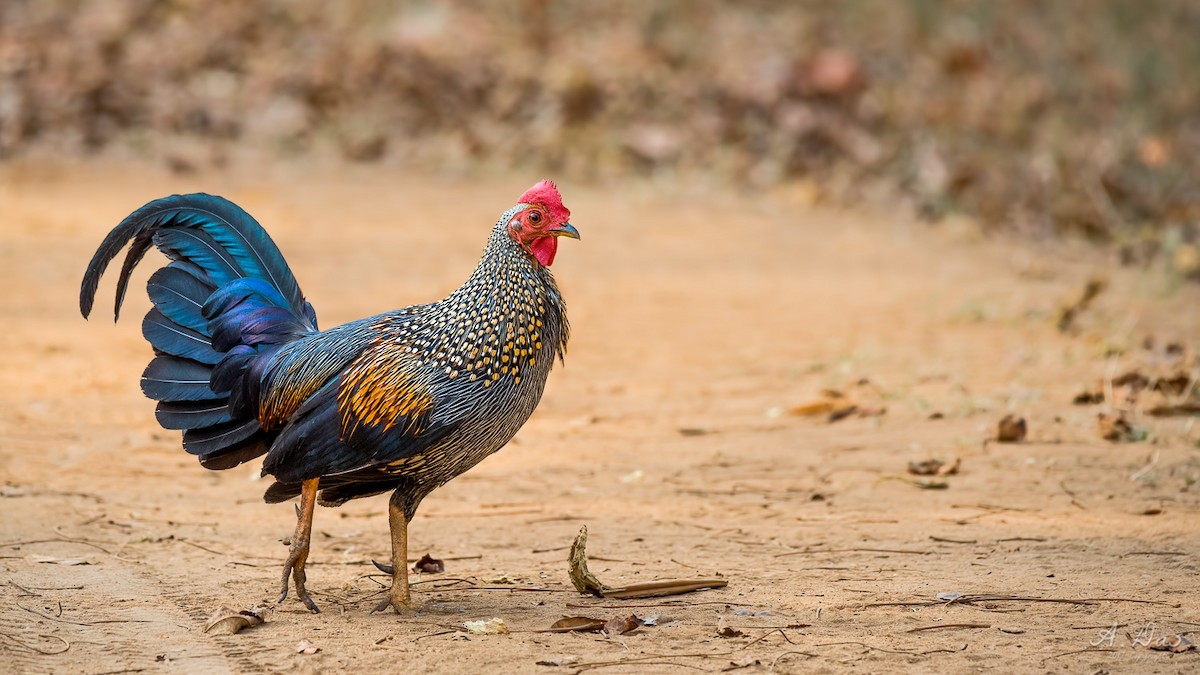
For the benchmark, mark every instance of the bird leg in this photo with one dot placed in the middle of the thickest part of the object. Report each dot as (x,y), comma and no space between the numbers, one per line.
(300,541)
(398,597)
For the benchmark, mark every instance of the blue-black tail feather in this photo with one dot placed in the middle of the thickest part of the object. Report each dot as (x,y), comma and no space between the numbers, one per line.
(178,293)
(169,378)
(222,307)
(171,338)
(192,414)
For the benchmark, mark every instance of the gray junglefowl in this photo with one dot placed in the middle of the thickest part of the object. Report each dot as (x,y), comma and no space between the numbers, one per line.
(399,402)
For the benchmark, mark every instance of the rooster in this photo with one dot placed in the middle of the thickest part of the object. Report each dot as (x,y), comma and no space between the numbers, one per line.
(399,402)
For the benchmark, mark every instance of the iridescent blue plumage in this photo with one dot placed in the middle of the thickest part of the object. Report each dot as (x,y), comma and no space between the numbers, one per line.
(210,231)
(221,309)
(177,291)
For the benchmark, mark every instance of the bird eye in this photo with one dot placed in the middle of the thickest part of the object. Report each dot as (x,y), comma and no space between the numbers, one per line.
(535,217)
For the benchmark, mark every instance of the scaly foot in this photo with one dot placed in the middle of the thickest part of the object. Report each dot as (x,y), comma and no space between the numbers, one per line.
(295,568)
(401,603)
(299,544)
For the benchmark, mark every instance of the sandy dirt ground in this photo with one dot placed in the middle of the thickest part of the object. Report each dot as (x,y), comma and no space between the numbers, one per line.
(702,321)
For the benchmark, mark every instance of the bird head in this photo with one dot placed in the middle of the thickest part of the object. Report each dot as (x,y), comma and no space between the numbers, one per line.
(537,227)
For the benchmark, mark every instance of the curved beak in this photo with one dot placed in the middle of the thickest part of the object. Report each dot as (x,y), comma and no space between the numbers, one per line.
(566,230)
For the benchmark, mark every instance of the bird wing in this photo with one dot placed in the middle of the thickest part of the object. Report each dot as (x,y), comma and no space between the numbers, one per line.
(299,370)
(375,409)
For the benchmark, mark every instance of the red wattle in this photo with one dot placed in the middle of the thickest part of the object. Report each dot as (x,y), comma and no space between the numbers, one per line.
(544,249)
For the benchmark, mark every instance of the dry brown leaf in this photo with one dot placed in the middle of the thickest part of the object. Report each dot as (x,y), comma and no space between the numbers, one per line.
(1132,379)
(1071,311)
(950,469)
(583,580)
(227,621)
(1178,409)
(832,402)
(429,565)
(724,630)
(812,408)
(307,648)
(493,626)
(1011,429)
(841,412)
(1176,644)
(928,467)
(582,624)
(1117,428)
(744,662)
(934,467)
(1178,384)
(586,582)
(619,625)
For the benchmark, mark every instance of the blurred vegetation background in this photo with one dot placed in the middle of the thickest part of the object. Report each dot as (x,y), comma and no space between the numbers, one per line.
(1052,117)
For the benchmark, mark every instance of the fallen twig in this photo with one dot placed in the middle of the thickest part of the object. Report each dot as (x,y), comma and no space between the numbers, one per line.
(943,651)
(779,658)
(21,643)
(1145,469)
(586,582)
(205,548)
(85,542)
(969,598)
(80,623)
(1079,651)
(866,646)
(444,632)
(669,603)
(939,626)
(387,568)
(765,635)
(652,589)
(648,659)
(855,550)
(1070,493)
(26,590)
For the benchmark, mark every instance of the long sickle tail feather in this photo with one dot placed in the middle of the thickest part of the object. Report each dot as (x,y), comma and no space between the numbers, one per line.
(211,231)
(221,308)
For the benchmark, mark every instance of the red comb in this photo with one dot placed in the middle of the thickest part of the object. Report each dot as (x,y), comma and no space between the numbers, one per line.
(544,194)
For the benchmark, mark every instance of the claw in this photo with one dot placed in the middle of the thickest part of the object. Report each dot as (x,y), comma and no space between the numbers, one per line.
(384,567)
